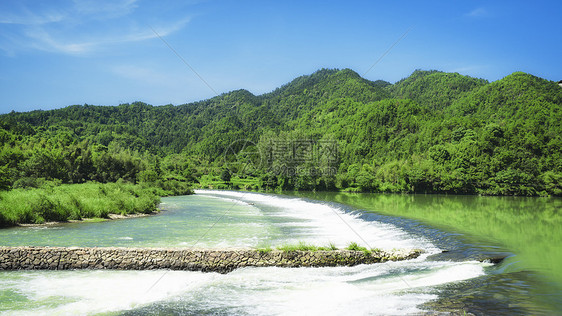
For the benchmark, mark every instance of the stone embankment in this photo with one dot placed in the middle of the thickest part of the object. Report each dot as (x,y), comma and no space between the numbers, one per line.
(206,260)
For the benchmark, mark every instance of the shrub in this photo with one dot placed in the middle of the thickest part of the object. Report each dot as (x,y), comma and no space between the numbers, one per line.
(355,247)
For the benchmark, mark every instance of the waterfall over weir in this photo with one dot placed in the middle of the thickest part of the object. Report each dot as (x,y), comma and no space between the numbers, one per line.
(238,220)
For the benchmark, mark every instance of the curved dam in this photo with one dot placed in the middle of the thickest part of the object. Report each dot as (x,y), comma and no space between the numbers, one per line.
(206,260)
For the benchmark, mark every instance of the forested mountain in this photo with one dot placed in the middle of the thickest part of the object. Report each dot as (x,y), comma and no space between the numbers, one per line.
(434,89)
(430,132)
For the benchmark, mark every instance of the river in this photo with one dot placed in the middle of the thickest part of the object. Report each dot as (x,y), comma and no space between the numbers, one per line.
(454,232)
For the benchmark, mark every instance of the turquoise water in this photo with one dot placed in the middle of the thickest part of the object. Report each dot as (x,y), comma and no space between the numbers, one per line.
(454,280)
(183,223)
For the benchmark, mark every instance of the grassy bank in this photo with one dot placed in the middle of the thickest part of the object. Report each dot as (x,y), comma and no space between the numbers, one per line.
(77,201)
(303,246)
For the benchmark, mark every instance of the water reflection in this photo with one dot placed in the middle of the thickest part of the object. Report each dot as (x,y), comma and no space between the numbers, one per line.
(527,230)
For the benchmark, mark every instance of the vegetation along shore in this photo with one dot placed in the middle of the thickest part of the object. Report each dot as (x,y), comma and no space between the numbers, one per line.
(431,132)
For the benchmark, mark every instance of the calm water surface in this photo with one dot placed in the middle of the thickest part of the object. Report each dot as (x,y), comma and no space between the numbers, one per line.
(468,229)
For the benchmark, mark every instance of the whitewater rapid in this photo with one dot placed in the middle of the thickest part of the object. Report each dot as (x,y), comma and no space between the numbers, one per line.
(396,288)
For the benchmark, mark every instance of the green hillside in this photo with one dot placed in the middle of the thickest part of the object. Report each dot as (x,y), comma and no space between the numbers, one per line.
(437,90)
(432,132)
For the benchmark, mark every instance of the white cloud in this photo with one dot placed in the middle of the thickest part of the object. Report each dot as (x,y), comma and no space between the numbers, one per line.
(138,73)
(32,19)
(174,86)
(79,29)
(42,40)
(104,9)
(478,13)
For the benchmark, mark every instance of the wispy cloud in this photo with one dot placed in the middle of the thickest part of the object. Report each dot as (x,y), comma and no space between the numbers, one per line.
(29,18)
(152,77)
(42,40)
(475,70)
(478,13)
(107,9)
(85,27)
(135,72)
(75,44)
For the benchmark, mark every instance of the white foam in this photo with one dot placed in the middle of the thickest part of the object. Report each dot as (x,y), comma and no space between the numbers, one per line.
(389,288)
(91,292)
(394,288)
(322,224)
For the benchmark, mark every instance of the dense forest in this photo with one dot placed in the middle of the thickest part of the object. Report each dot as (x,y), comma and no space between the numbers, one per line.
(431,132)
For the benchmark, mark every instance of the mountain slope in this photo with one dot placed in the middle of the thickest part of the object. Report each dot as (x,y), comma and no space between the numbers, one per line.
(430,132)
(437,90)
(306,92)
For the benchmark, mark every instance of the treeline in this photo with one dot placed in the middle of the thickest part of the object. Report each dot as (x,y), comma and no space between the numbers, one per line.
(57,157)
(432,132)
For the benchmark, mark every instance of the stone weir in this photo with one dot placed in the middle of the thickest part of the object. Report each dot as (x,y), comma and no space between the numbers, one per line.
(206,260)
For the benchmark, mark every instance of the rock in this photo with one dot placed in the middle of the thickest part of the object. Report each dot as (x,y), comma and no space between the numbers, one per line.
(221,261)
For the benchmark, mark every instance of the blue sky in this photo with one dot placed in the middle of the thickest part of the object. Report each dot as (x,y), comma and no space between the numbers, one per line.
(63,52)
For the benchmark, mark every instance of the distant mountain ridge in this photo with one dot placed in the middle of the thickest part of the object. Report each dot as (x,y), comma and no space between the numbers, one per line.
(430,132)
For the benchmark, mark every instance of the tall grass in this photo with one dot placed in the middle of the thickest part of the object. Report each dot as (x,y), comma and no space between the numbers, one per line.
(355,247)
(76,201)
(303,246)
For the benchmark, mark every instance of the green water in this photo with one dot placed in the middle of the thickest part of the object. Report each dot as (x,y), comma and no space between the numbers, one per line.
(527,282)
(531,228)
(184,222)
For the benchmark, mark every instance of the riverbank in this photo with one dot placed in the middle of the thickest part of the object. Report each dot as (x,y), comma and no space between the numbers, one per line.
(75,202)
(206,260)
(110,217)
